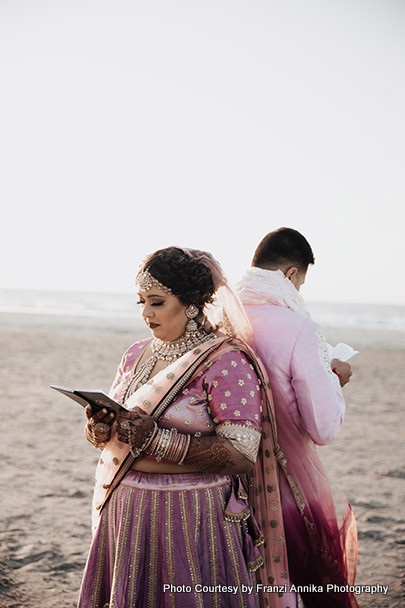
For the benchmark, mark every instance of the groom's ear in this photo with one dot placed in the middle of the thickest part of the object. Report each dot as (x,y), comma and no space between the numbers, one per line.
(291,272)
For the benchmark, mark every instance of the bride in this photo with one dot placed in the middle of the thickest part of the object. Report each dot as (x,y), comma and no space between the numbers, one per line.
(186,504)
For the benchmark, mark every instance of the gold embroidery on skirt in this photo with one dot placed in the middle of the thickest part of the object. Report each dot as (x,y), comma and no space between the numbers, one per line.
(234,560)
(212,543)
(235,517)
(110,517)
(135,552)
(169,545)
(100,562)
(124,513)
(153,549)
(253,566)
(197,515)
(189,548)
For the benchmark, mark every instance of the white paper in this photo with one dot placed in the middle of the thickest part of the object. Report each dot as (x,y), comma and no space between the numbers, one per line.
(341,351)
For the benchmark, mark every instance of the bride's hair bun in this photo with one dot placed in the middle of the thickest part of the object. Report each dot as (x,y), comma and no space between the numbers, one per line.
(188,278)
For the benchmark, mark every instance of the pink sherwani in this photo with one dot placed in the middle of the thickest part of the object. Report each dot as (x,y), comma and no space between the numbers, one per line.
(309,411)
(293,350)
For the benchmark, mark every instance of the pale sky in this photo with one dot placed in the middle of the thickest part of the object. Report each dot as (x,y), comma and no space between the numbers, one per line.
(127,126)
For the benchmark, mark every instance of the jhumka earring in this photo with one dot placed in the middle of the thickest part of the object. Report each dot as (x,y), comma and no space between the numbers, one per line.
(191,312)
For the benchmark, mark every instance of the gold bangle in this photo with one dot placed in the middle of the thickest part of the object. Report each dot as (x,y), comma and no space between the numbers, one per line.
(185,450)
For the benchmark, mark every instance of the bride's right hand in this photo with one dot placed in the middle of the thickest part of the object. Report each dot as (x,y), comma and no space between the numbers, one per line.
(99,423)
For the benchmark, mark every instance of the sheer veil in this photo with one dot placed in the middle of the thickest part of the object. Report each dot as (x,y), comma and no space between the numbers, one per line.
(226,311)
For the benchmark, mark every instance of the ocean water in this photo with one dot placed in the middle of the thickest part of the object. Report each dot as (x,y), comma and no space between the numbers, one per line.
(120,311)
(328,314)
(68,303)
(371,316)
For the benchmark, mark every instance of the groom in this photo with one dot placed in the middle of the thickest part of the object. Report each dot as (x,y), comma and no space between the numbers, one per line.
(309,407)
(291,345)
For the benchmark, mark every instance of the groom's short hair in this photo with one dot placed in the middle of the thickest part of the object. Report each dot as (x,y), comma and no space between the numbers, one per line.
(284,246)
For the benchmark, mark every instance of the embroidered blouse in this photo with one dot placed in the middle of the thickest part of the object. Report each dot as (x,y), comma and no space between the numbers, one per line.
(224,399)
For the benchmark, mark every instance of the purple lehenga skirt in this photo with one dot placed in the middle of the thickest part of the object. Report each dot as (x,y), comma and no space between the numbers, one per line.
(164,541)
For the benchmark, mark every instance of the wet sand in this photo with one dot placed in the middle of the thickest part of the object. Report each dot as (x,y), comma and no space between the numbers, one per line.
(48,466)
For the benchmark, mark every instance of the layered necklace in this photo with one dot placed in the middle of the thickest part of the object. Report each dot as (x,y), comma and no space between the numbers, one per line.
(167,352)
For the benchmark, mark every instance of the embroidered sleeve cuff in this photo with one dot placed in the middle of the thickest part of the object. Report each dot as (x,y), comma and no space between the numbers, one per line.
(324,358)
(244,439)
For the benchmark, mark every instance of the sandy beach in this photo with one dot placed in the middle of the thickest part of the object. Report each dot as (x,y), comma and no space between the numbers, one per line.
(48,466)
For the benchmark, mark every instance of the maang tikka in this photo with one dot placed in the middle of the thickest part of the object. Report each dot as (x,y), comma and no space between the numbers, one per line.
(191,312)
(146,281)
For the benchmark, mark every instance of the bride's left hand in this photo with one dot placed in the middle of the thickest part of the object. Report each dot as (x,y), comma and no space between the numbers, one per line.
(133,427)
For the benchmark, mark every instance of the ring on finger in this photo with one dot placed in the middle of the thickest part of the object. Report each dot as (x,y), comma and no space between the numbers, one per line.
(101,428)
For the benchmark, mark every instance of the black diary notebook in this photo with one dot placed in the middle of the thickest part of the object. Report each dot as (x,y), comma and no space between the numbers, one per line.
(97,399)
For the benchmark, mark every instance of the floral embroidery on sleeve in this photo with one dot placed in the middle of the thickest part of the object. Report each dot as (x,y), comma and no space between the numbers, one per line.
(235,403)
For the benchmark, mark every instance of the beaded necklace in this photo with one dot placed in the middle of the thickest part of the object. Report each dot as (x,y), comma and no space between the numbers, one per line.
(167,352)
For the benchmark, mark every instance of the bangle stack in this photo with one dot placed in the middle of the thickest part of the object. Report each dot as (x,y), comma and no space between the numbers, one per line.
(169,444)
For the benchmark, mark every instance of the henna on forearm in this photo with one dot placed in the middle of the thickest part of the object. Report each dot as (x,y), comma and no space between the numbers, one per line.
(133,430)
(211,454)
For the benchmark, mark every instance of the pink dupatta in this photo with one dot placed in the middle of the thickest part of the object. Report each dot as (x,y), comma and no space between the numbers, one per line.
(319,523)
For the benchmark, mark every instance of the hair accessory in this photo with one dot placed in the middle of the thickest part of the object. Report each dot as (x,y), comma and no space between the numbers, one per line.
(191,312)
(146,281)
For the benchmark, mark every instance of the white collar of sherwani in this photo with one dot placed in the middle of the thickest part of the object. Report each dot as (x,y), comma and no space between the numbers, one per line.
(261,286)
